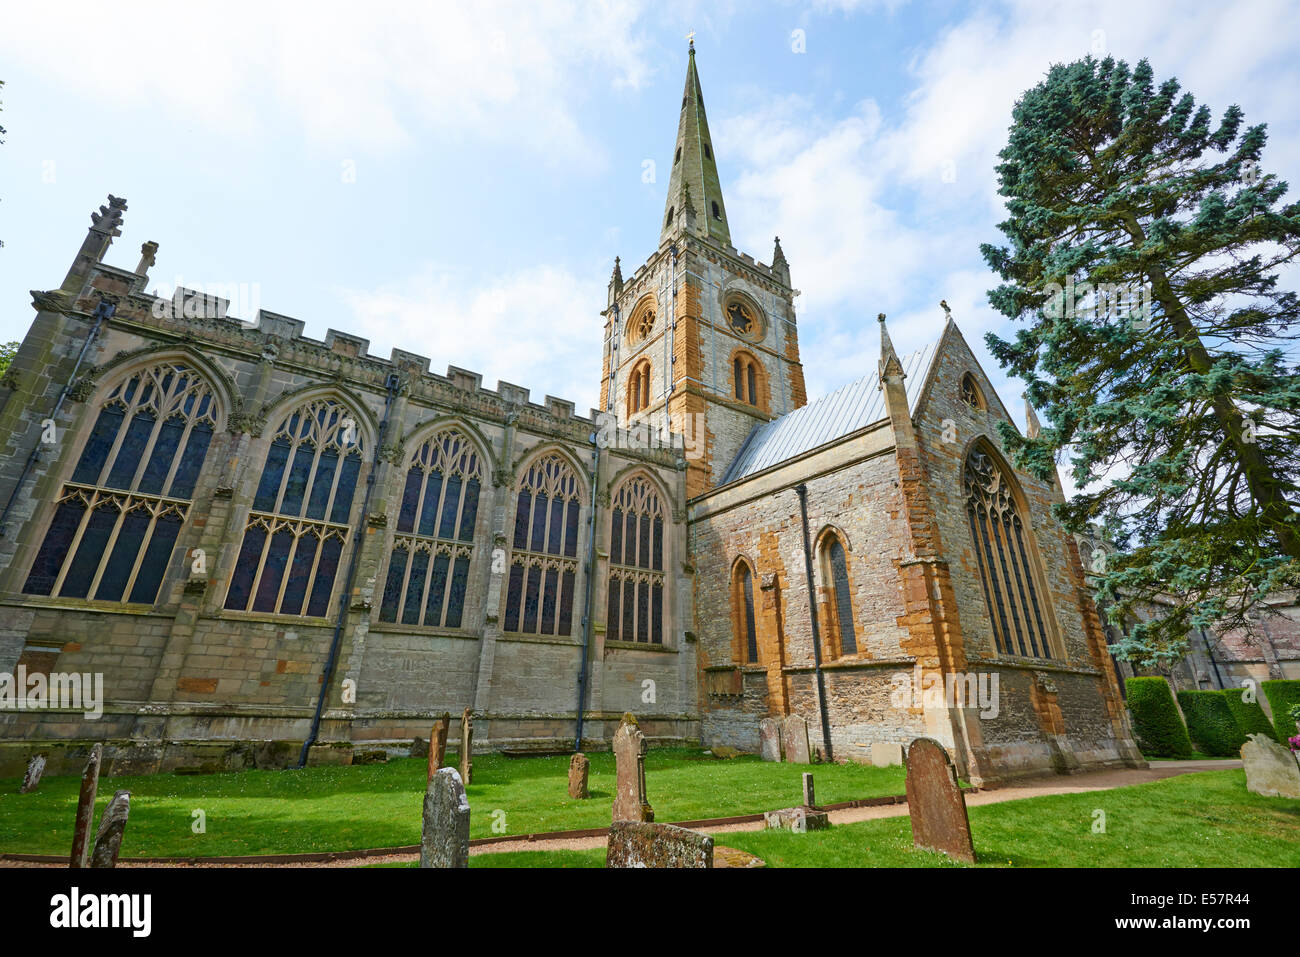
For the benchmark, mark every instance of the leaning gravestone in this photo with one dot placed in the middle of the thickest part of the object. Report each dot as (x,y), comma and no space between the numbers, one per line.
(112,827)
(86,808)
(32,779)
(1271,770)
(466,747)
(444,841)
(438,744)
(794,730)
(769,739)
(578,770)
(935,803)
(630,802)
(645,844)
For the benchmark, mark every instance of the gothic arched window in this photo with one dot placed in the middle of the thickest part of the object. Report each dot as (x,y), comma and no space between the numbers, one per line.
(428,572)
(636,564)
(747,377)
(638,388)
(298,524)
(837,572)
(742,612)
(970,392)
(543,560)
(1004,552)
(119,516)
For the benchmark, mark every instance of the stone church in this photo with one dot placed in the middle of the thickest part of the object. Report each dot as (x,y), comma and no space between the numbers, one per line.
(272,548)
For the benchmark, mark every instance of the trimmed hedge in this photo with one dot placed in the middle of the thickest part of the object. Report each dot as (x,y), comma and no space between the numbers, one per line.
(1210,723)
(1251,718)
(1156,722)
(1282,695)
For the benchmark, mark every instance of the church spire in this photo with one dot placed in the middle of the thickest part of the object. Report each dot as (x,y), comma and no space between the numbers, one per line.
(694,181)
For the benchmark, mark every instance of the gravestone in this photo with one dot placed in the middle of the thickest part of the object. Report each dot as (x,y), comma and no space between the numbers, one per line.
(578,768)
(809,797)
(1271,769)
(438,744)
(112,827)
(466,747)
(645,844)
(794,732)
(769,739)
(935,803)
(800,820)
(630,802)
(86,808)
(444,841)
(32,779)
(419,748)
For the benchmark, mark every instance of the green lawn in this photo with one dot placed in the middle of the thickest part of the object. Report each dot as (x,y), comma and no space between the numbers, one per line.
(338,808)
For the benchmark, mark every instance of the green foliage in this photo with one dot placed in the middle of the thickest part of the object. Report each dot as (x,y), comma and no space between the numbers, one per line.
(1210,723)
(1250,716)
(7,352)
(1282,697)
(1156,722)
(1180,412)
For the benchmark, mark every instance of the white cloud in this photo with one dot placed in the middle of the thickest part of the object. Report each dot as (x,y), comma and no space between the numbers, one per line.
(369,74)
(537,328)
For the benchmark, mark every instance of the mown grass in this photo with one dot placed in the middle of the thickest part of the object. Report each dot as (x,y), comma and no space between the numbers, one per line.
(1207,819)
(350,808)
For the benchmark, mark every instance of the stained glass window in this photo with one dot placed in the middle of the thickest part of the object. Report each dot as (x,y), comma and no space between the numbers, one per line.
(636,564)
(543,560)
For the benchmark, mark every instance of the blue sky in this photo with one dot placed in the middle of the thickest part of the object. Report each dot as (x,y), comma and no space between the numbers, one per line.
(457,182)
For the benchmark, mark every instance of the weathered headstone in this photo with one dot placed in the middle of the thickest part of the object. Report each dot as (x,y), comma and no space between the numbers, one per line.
(444,841)
(809,796)
(32,779)
(1271,769)
(885,754)
(467,747)
(800,820)
(112,827)
(630,802)
(769,739)
(645,844)
(794,731)
(86,808)
(578,769)
(438,744)
(935,803)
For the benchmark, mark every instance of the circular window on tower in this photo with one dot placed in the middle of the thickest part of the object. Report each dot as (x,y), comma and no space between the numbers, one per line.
(743,317)
(642,322)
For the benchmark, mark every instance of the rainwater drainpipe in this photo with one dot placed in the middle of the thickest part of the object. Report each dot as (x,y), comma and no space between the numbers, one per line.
(802,491)
(587,588)
(103,310)
(1209,650)
(393,384)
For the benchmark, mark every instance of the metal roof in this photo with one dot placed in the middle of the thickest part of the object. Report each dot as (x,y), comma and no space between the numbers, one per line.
(833,416)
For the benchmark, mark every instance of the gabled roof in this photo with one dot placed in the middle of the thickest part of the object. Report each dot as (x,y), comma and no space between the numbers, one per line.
(846,410)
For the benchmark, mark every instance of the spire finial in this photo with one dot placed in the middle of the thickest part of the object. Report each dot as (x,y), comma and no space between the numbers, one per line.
(1032,426)
(691,37)
(889,361)
(943,304)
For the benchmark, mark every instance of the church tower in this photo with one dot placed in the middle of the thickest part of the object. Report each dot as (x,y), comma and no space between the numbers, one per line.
(701,339)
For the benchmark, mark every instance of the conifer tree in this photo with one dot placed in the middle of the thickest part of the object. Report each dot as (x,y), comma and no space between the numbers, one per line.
(1145,246)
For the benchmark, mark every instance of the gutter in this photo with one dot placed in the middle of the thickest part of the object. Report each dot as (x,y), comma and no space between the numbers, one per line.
(802,491)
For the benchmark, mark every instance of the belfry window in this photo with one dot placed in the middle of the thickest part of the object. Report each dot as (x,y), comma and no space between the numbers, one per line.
(742,611)
(746,378)
(1004,553)
(543,561)
(636,564)
(638,388)
(428,572)
(119,516)
(298,525)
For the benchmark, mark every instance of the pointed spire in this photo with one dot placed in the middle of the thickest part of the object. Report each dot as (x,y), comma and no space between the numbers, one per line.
(615,283)
(694,170)
(780,268)
(890,364)
(1032,426)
